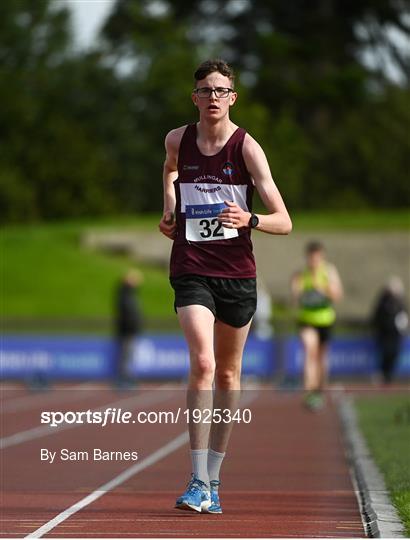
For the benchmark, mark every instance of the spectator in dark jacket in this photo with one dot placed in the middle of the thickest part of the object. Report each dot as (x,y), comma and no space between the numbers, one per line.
(128,322)
(390,321)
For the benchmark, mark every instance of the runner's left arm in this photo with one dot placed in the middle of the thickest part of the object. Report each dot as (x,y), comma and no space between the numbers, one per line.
(335,287)
(277,221)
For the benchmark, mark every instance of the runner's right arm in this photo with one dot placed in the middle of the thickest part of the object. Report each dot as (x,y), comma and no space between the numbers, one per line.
(296,288)
(167,224)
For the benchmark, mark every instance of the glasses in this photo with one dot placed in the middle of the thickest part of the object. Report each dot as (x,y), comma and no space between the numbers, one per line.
(206,92)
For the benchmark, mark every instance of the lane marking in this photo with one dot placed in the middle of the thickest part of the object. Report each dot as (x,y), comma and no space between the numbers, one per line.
(21,403)
(156,456)
(121,534)
(85,386)
(159,454)
(42,431)
(155,519)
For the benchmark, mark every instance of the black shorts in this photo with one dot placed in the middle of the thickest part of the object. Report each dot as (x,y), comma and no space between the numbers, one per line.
(231,300)
(325,332)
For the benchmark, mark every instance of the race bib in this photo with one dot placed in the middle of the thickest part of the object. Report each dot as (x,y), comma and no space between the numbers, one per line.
(202,224)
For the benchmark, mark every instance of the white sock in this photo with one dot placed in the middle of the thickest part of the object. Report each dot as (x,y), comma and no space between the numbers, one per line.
(214,463)
(200,464)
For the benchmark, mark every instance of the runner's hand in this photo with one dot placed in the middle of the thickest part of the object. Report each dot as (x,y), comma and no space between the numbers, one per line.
(234,217)
(167,225)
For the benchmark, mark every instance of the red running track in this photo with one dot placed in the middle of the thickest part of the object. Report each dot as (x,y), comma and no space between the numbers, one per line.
(285,474)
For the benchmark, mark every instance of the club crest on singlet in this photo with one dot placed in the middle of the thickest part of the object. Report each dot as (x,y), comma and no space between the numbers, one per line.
(228,168)
(202,223)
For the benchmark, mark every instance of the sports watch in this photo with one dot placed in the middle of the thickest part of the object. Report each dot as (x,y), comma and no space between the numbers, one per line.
(253,221)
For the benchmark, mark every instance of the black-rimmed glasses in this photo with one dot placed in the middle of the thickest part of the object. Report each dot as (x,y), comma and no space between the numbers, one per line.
(219,92)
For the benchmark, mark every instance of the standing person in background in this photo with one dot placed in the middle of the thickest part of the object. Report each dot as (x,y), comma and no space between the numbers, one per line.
(261,323)
(315,289)
(210,172)
(128,323)
(390,322)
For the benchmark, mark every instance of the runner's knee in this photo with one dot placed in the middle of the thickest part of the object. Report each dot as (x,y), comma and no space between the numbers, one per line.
(202,367)
(228,378)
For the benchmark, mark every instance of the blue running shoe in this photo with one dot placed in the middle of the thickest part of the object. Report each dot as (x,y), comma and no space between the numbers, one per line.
(215,507)
(196,496)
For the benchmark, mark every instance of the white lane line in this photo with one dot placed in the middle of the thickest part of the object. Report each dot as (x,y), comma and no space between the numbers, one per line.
(45,430)
(18,403)
(181,533)
(159,454)
(25,402)
(42,431)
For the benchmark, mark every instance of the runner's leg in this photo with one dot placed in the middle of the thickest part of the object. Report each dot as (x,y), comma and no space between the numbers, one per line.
(197,323)
(323,365)
(310,340)
(229,346)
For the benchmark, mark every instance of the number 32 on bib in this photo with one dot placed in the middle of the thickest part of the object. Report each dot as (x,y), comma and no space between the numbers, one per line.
(202,224)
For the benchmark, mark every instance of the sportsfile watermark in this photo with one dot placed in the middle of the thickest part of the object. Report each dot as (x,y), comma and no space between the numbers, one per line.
(75,438)
(113,415)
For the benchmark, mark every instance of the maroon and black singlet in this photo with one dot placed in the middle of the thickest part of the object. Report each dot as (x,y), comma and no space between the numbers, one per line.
(202,245)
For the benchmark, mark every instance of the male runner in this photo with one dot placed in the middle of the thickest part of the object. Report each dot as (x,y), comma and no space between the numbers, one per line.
(210,171)
(315,289)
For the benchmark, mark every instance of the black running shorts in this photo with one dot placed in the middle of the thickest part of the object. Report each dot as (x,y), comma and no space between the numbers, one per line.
(324,332)
(231,300)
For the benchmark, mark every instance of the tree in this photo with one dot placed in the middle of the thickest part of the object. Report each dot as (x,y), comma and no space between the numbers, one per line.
(82,132)
(54,161)
(305,90)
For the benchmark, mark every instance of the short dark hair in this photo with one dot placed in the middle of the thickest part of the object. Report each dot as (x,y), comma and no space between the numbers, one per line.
(313,247)
(212,66)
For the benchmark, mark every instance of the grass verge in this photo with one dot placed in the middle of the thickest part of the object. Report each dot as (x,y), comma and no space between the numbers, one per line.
(385,424)
(44,272)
